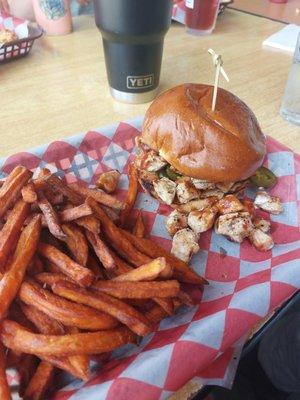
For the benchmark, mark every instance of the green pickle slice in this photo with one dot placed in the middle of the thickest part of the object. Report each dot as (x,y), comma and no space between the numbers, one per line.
(263,177)
(171,174)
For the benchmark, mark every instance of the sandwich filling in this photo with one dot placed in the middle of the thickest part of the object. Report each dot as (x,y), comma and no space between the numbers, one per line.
(169,186)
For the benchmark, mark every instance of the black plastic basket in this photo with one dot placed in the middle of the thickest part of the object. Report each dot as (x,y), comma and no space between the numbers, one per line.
(21,47)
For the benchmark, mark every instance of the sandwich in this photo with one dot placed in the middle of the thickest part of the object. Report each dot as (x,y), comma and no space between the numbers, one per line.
(199,161)
(187,152)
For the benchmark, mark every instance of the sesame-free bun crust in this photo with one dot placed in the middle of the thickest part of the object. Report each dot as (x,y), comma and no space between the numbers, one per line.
(222,146)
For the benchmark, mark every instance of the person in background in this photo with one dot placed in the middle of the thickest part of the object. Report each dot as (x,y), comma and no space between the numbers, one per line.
(23,8)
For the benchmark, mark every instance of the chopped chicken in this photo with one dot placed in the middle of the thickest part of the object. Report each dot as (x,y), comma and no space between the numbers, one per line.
(202,221)
(153,162)
(165,190)
(212,193)
(238,186)
(225,187)
(108,181)
(185,244)
(262,224)
(203,185)
(261,240)
(229,204)
(176,221)
(199,204)
(236,226)
(186,191)
(268,203)
(249,206)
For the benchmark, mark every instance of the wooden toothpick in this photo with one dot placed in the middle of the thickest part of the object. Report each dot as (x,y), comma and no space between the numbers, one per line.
(218,62)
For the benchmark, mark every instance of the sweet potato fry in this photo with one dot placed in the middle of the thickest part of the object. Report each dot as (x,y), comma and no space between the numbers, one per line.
(51,217)
(139,228)
(138,290)
(12,187)
(26,369)
(89,223)
(181,270)
(103,302)
(76,365)
(49,279)
(64,364)
(148,272)
(77,272)
(67,312)
(130,196)
(101,250)
(108,181)
(58,185)
(116,238)
(166,304)
(11,229)
(98,195)
(29,194)
(77,243)
(94,266)
(43,322)
(70,214)
(121,266)
(4,386)
(15,336)
(80,362)
(40,382)
(155,314)
(112,214)
(13,277)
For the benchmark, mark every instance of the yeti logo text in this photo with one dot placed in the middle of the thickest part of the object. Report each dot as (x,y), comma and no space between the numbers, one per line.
(140,82)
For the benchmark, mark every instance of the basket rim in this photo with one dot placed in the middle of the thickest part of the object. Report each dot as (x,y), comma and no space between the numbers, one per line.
(35,32)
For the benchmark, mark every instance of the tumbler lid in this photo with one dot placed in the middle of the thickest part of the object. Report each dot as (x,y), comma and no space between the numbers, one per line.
(133,98)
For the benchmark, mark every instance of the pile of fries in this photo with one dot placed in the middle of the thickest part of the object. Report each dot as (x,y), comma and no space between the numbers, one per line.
(74,282)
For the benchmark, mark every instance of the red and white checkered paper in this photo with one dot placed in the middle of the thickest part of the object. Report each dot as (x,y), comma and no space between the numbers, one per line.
(245,285)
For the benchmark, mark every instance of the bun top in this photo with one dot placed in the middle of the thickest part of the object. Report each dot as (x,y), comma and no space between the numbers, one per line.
(222,146)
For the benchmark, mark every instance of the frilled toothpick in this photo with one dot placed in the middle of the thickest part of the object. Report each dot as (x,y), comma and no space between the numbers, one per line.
(218,62)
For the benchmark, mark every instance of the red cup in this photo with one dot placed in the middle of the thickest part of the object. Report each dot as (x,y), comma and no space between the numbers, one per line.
(278,1)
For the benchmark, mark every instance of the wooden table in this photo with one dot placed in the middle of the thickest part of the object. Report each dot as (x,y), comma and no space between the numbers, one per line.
(61,89)
(288,12)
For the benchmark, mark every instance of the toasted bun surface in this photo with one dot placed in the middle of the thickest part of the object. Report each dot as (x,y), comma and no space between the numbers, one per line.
(222,146)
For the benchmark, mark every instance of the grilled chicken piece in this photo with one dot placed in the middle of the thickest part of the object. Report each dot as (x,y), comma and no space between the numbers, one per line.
(186,191)
(236,226)
(225,187)
(176,221)
(108,181)
(261,240)
(153,162)
(212,193)
(262,224)
(185,244)
(229,204)
(203,185)
(238,186)
(248,206)
(268,203)
(199,204)
(202,221)
(165,190)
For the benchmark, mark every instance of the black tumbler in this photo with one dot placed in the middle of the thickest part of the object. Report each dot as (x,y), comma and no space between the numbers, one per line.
(133,34)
